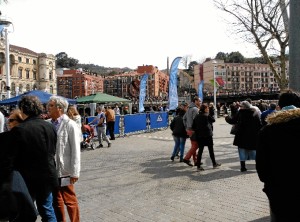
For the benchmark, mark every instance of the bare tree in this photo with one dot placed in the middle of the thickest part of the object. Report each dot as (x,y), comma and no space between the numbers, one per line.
(262,22)
(284,15)
(185,60)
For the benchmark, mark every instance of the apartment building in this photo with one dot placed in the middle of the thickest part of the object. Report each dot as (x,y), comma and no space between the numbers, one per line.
(236,77)
(158,81)
(73,83)
(28,71)
(78,83)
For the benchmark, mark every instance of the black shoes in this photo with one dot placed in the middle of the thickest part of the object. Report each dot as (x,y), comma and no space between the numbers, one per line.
(172,158)
(217,165)
(109,145)
(195,164)
(187,162)
(200,168)
(100,146)
(244,169)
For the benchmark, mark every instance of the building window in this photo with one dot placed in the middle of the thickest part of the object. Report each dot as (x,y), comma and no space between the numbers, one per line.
(50,75)
(34,62)
(27,74)
(34,75)
(20,59)
(27,61)
(20,73)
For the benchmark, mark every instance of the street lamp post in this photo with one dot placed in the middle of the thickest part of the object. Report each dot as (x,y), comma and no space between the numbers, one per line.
(6,23)
(215,88)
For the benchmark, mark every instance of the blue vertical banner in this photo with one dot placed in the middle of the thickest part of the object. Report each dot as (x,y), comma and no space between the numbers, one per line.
(1,29)
(200,90)
(142,92)
(173,97)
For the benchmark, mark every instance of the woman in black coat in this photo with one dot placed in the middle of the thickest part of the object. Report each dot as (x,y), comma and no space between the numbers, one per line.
(277,159)
(202,125)
(248,124)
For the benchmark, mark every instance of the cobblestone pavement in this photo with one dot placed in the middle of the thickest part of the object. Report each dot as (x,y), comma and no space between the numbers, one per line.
(135,180)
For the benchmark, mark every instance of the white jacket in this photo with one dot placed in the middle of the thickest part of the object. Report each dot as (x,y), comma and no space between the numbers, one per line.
(68,148)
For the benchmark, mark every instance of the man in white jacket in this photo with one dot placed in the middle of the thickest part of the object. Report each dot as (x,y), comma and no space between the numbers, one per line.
(67,159)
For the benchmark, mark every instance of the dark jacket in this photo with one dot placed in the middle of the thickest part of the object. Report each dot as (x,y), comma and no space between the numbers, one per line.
(277,162)
(178,128)
(202,125)
(248,125)
(15,200)
(32,154)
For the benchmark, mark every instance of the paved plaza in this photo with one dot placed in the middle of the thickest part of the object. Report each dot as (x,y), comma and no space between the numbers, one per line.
(135,180)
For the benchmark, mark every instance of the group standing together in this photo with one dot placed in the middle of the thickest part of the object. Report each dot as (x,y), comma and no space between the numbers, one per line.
(265,133)
(46,154)
(40,158)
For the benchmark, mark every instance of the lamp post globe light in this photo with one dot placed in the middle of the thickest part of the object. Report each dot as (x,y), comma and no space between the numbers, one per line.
(214,62)
(4,25)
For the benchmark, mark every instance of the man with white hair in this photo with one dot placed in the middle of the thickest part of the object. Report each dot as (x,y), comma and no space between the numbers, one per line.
(67,159)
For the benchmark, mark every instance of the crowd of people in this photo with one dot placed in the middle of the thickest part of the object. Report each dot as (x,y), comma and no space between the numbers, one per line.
(43,152)
(40,158)
(265,132)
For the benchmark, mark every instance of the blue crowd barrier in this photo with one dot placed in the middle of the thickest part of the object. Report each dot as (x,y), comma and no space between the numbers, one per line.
(158,120)
(135,122)
(117,124)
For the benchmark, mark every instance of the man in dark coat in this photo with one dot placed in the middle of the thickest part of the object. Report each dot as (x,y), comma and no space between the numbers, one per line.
(277,158)
(32,151)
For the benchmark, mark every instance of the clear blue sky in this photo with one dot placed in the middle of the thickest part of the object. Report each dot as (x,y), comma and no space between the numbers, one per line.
(123,33)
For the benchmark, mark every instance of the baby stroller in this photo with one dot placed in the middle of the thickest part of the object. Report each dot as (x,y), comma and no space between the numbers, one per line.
(88,137)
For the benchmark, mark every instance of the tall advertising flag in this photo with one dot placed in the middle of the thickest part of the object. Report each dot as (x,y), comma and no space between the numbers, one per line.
(142,93)
(200,90)
(173,97)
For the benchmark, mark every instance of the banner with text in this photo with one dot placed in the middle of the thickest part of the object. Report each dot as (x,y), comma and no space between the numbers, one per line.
(200,90)
(142,92)
(173,96)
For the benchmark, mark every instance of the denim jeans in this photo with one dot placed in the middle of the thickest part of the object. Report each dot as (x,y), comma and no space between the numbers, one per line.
(179,144)
(101,131)
(45,208)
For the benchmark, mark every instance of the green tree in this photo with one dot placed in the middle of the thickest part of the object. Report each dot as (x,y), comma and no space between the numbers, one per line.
(63,61)
(235,57)
(222,56)
(263,23)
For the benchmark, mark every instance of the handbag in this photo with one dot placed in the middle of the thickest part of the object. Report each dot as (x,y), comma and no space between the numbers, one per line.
(234,129)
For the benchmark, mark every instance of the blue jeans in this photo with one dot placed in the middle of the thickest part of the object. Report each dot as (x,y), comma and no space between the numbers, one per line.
(46,209)
(179,145)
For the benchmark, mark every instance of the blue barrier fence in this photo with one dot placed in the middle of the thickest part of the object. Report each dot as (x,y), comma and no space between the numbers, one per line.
(137,123)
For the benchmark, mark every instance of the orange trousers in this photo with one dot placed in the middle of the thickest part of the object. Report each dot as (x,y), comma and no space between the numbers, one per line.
(192,152)
(66,196)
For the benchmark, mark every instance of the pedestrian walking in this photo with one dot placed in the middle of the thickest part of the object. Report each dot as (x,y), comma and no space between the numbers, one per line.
(247,125)
(179,134)
(202,125)
(188,118)
(100,120)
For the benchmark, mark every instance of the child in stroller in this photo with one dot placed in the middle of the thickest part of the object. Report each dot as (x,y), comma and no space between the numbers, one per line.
(88,137)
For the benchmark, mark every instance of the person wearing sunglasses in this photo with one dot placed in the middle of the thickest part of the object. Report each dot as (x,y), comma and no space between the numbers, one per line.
(14,118)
